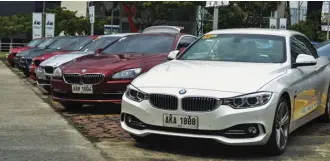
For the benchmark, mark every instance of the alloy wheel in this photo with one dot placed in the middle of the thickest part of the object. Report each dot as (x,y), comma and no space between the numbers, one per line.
(282,125)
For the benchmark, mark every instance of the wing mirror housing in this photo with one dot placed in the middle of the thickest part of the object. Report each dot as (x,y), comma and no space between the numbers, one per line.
(98,51)
(173,54)
(304,60)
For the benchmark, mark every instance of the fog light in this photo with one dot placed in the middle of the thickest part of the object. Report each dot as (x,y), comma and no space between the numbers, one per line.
(129,119)
(252,130)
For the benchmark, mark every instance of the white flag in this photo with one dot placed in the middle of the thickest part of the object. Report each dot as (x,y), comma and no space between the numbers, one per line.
(273,23)
(36,25)
(283,23)
(50,25)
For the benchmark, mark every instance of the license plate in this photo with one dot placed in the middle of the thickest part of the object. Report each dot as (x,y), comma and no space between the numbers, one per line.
(180,121)
(83,89)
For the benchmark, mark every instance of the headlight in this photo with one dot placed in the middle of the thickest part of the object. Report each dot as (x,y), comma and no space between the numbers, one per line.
(248,101)
(57,73)
(127,74)
(135,94)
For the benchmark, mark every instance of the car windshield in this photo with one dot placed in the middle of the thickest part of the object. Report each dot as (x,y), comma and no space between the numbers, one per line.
(63,43)
(46,43)
(237,48)
(34,42)
(148,44)
(79,43)
(99,43)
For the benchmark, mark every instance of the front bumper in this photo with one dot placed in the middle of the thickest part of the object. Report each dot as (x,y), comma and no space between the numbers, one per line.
(214,125)
(43,79)
(105,92)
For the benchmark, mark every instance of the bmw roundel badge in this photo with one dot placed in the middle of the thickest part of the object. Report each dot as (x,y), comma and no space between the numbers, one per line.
(84,70)
(182,91)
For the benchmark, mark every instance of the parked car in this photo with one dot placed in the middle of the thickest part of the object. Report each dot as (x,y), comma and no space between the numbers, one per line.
(323,49)
(315,43)
(103,77)
(12,53)
(76,46)
(61,44)
(46,68)
(42,46)
(233,92)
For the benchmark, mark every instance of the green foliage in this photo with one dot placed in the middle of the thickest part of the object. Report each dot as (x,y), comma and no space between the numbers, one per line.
(311,27)
(66,21)
(243,14)
(151,13)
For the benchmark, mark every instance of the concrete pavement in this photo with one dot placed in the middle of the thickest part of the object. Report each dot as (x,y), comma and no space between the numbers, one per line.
(31,130)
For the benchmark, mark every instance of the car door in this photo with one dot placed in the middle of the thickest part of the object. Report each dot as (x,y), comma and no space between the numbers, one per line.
(306,89)
(320,79)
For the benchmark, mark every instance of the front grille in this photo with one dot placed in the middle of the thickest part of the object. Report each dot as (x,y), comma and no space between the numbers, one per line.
(161,101)
(72,78)
(92,78)
(199,104)
(37,62)
(49,70)
(85,79)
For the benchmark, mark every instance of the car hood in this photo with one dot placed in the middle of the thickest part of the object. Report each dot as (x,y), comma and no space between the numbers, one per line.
(58,60)
(207,75)
(111,61)
(19,49)
(36,53)
(48,55)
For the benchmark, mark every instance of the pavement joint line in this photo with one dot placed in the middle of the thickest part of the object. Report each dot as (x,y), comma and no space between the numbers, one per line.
(24,79)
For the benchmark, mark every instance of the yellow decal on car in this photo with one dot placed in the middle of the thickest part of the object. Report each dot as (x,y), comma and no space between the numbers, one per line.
(209,36)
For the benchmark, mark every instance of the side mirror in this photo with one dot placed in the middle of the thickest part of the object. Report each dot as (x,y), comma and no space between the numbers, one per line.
(172,55)
(97,51)
(182,49)
(304,60)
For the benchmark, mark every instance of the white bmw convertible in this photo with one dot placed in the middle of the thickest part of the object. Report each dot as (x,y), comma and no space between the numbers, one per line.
(234,86)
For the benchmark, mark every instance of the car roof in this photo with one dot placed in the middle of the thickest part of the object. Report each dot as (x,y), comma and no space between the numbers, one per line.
(119,35)
(276,32)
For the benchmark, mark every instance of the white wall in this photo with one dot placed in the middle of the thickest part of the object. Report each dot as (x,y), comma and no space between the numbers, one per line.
(79,6)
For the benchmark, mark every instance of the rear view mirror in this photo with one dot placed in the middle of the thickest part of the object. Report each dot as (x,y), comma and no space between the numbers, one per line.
(172,55)
(304,60)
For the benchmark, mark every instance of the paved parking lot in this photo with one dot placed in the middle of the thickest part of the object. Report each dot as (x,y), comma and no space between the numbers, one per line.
(101,126)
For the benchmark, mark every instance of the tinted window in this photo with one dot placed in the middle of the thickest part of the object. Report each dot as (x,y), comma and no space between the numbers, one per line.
(99,43)
(79,43)
(46,43)
(62,43)
(149,44)
(34,42)
(309,46)
(238,48)
(185,41)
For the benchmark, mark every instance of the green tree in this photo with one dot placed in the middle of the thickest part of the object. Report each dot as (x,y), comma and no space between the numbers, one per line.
(311,27)
(243,14)
(151,13)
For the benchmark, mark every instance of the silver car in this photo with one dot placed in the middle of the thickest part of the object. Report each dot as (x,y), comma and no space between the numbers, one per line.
(46,68)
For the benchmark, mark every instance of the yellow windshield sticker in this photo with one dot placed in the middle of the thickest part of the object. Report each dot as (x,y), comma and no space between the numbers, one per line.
(209,36)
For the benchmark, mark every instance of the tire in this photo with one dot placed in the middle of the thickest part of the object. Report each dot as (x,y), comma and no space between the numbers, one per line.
(283,114)
(47,88)
(71,105)
(27,74)
(326,116)
(139,139)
